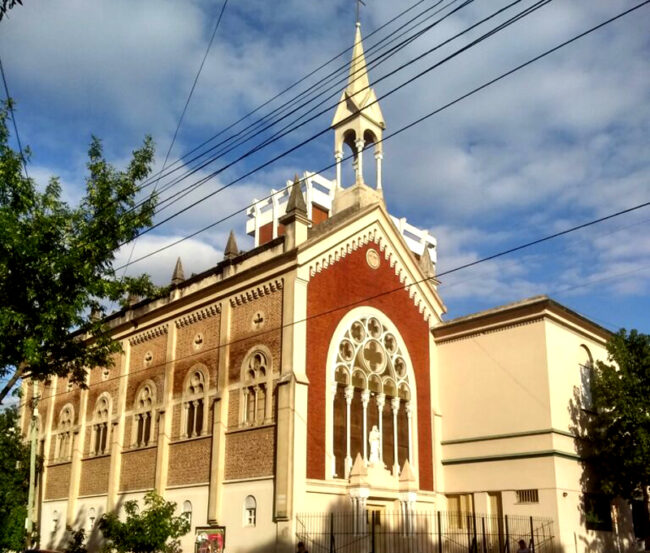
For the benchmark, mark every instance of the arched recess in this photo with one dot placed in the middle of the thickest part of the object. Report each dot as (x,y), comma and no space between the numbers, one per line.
(143,427)
(100,438)
(194,414)
(257,381)
(358,375)
(65,423)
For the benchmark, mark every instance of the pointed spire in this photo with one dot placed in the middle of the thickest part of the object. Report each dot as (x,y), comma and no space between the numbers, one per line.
(425,263)
(358,76)
(231,250)
(178,276)
(296,201)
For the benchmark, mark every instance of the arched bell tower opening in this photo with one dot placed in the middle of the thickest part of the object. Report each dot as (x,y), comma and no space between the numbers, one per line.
(359,123)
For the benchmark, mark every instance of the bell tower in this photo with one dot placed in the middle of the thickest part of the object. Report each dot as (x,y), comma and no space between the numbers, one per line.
(358,122)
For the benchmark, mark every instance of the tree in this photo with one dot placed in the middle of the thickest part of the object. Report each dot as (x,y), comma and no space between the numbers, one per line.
(6,5)
(56,263)
(14,482)
(619,426)
(147,532)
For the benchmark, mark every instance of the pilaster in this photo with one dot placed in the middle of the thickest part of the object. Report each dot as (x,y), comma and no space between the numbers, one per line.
(165,414)
(220,418)
(78,440)
(117,432)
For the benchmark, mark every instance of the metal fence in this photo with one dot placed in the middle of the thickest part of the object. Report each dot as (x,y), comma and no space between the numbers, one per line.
(435,532)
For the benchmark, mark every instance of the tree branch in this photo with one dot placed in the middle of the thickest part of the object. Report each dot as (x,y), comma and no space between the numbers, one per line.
(12,381)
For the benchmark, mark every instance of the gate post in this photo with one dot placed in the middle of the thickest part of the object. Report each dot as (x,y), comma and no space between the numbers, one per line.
(532,538)
(507,548)
(439,533)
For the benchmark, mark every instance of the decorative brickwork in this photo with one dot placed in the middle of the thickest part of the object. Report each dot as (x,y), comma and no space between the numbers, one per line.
(139,372)
(189,462)
(251,453)
(58,481)
(333,287)
(149,334)
(138,469)
(94,475)
(233,408)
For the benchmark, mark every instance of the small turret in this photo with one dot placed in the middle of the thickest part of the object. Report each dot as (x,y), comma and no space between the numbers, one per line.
(295,220)
(231,250)
(178,275)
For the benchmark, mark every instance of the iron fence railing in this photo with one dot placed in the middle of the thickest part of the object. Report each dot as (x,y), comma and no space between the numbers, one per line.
(409,532)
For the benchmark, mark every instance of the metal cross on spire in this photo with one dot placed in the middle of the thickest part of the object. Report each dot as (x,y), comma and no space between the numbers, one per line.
(359,4)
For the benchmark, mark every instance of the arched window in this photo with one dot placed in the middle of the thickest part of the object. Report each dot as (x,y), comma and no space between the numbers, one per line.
(194,418)
(250,511)
(143,416)
(63,447)
(187,510)
(586,377)
(100,443)
(371,398)
(257,399)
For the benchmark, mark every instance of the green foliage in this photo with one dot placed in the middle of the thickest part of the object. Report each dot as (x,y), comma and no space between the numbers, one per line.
(6,5)
(618,430)
(153,530)
(14,482)
(76,540)
(620,427)
(56,263)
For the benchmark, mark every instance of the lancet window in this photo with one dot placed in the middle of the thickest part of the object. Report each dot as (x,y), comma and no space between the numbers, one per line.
(63,444)
(257,401)
(194,419)
(371,394)
(100,443)
(143,416)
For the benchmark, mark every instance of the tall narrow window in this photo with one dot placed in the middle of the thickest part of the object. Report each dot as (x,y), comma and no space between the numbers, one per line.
(144,407)
(194,400)
(63,446)
(257,389)
(250,511)
(99,445)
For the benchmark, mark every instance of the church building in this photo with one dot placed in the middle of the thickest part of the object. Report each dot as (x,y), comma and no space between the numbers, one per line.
(311,389)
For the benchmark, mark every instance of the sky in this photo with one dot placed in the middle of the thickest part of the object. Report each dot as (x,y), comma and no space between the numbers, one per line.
(561,142)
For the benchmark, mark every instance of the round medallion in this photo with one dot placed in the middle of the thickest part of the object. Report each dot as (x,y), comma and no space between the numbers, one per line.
(148,359)
(197,343)
(372,258)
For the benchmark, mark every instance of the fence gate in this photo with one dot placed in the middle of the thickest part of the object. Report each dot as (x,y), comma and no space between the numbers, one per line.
(435,532)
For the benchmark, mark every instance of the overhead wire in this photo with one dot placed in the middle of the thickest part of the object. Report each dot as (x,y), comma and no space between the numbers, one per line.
(499,27)
(396,289)
(13,119)
(187,103)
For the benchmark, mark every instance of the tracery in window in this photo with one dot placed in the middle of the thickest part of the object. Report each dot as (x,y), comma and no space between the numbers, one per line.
(371,396)
(257,397)
(143,417)
(194,419)
(100,429)
(63,444)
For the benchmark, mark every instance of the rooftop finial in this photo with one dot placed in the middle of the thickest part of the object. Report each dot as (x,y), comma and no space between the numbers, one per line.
(179,275)
(359,4)
(232,250)
(296,199)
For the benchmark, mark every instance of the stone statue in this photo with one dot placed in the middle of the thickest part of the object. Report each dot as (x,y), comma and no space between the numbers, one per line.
(374,439)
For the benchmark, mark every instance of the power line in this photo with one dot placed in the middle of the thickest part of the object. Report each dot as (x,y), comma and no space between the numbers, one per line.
(346,306)
(13,118)
(250,131)
(500,27)
(399,131)
(187,103)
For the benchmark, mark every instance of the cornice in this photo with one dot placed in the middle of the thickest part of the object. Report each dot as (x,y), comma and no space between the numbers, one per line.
(199,315)
(375,234)
(256,292)
(149,334)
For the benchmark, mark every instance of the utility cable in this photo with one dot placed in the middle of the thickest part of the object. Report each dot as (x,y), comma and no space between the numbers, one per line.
(403,287)
(13,118)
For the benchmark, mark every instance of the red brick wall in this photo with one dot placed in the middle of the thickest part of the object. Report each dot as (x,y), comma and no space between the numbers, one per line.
(138,469)
(94,475)
(250,453)
(58,481)
(189,462)
(347,281)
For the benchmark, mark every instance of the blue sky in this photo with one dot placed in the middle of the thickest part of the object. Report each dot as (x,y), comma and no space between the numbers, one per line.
(559,143)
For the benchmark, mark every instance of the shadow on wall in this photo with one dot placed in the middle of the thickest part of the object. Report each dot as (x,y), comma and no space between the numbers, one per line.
(610,529)
(94,539)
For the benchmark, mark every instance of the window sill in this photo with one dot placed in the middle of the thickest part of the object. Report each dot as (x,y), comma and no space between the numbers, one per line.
(192,439)
(249,428)
(95,456)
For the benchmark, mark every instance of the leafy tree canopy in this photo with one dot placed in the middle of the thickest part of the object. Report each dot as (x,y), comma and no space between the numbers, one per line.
(153,530)
(14,482)
(56,263)
(619,427)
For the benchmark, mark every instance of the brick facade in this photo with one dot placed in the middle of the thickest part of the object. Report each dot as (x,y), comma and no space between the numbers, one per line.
(251,453)
(189,462)
(334,287)
(58,481)
(94,475)
(138,469)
